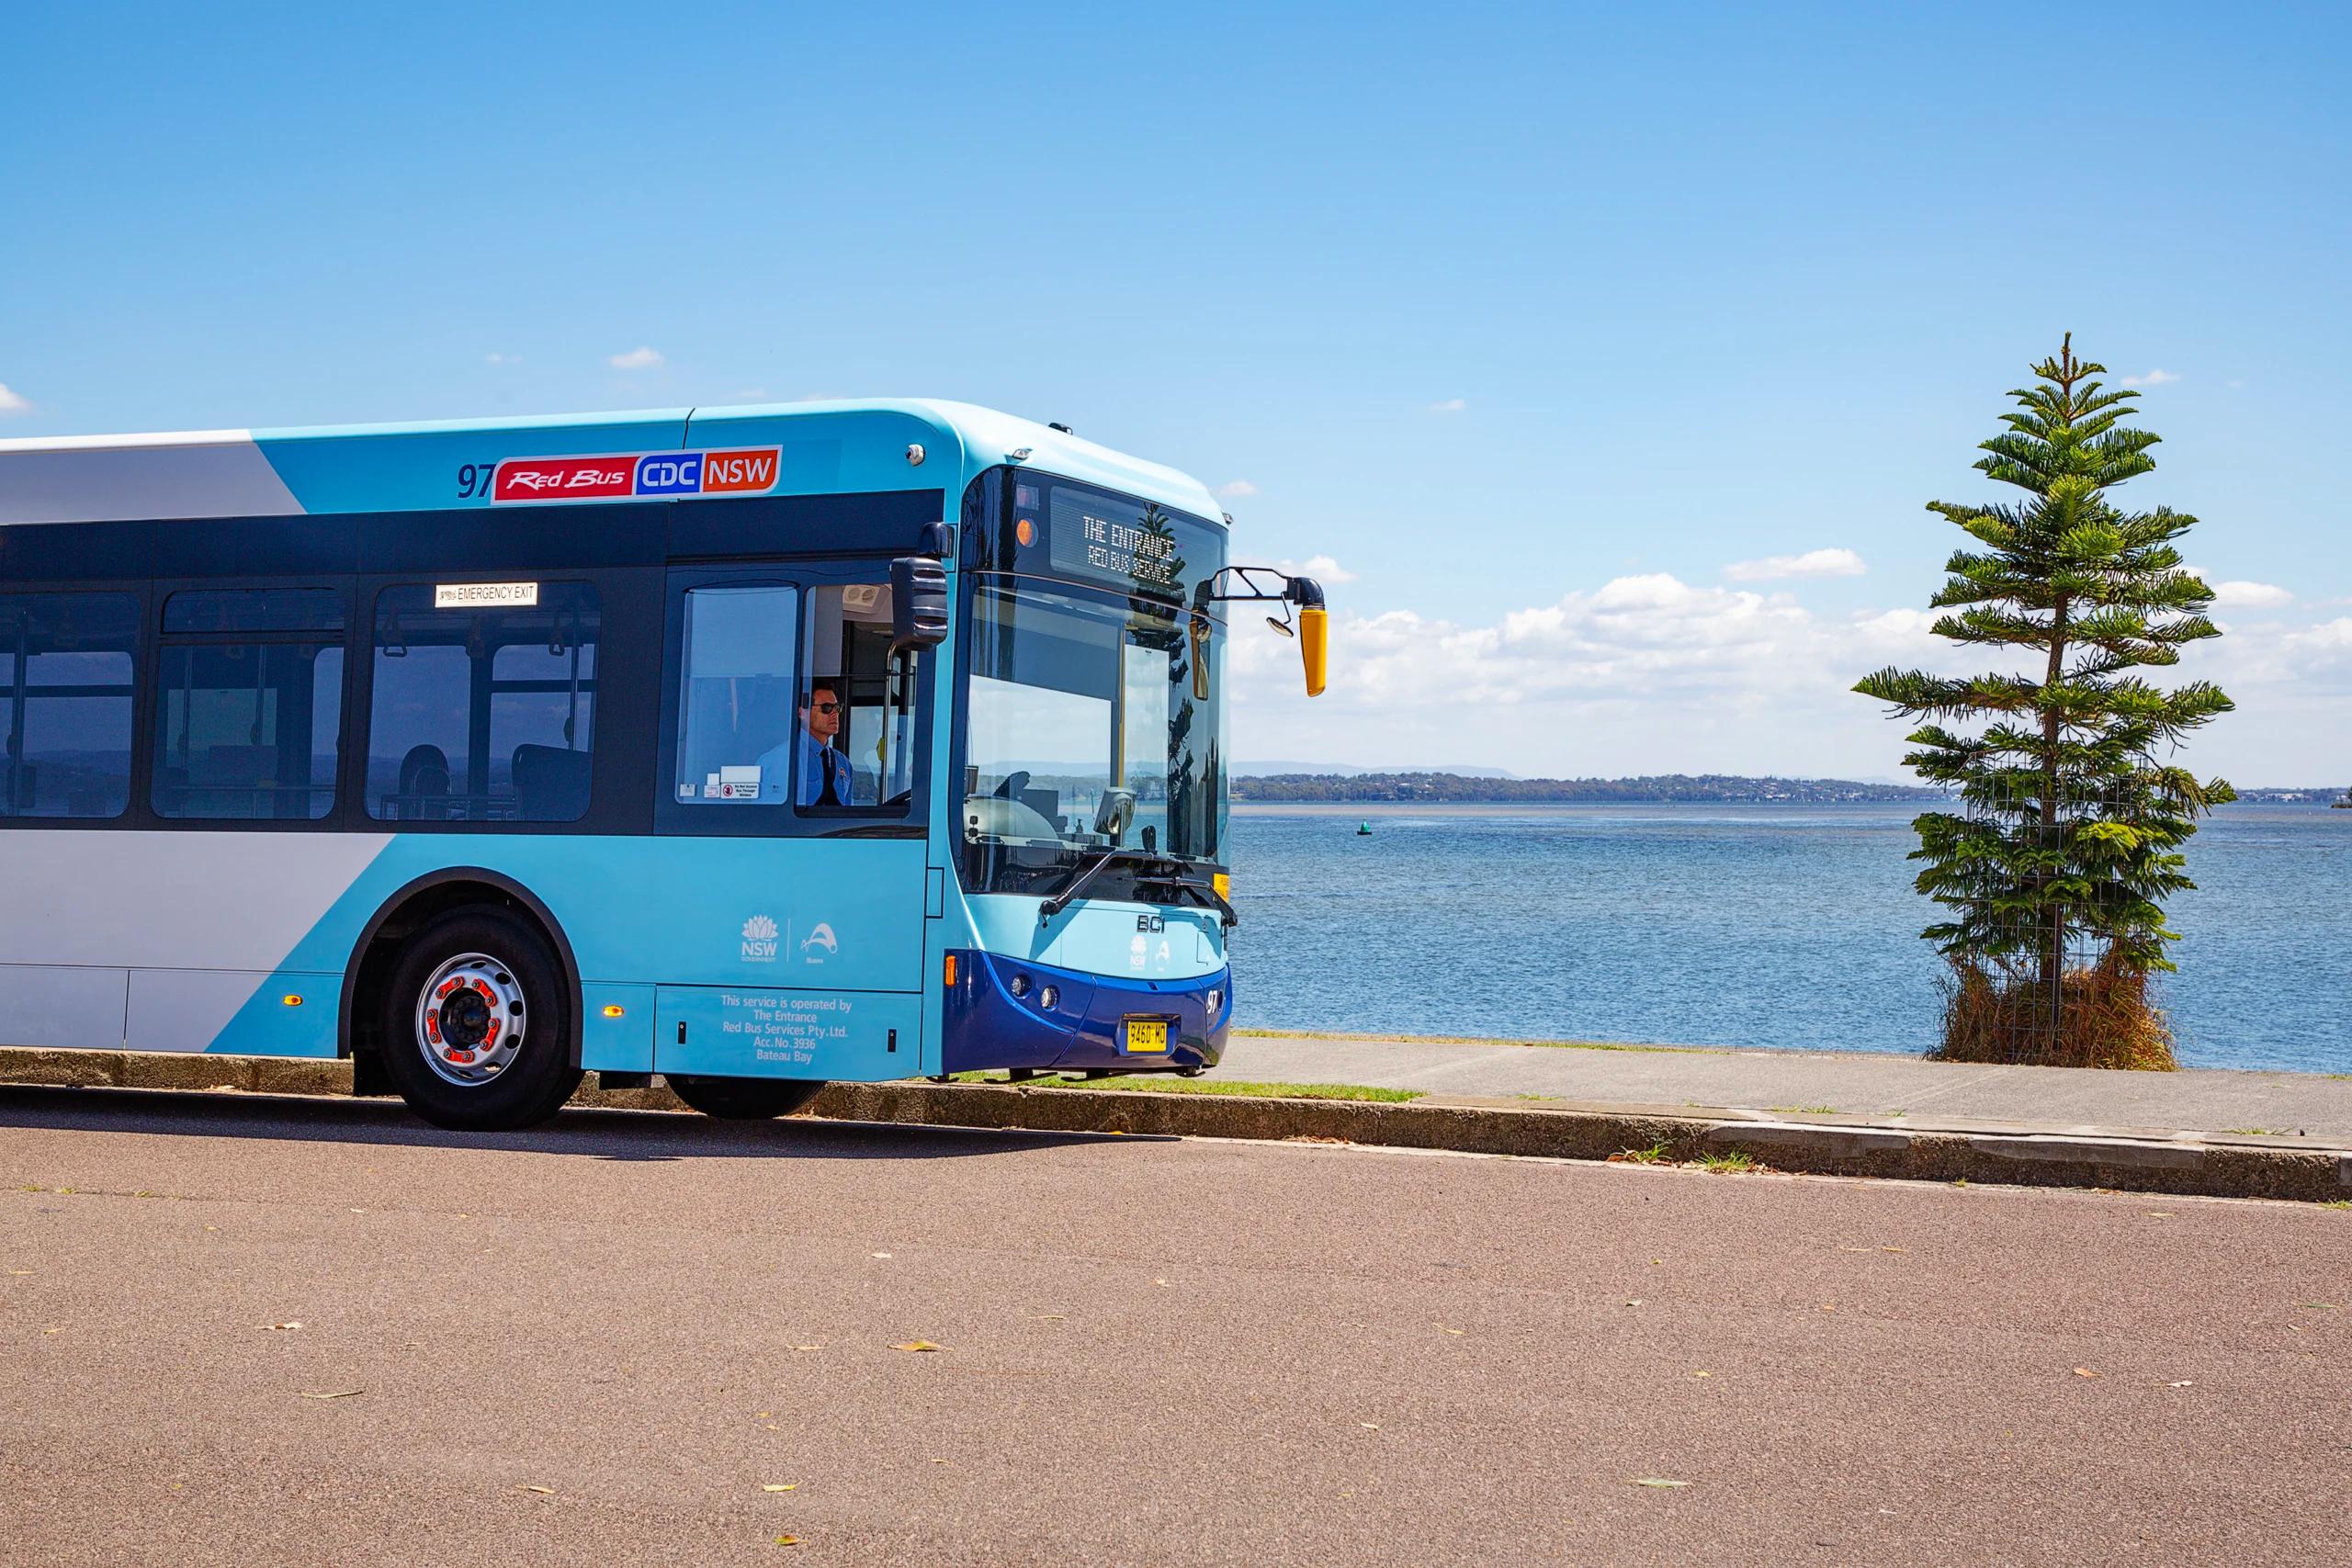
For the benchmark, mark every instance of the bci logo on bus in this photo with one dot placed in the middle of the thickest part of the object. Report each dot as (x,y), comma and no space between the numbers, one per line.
(748,470)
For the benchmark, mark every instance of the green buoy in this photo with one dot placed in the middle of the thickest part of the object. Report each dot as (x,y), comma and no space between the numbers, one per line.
(1363,829)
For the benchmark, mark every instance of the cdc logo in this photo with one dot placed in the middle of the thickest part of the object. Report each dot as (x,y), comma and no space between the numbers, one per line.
(673,473)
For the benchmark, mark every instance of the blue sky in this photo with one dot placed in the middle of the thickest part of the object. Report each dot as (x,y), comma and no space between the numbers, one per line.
(1535,320)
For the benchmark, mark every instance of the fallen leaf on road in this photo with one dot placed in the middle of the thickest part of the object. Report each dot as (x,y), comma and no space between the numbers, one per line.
(335,1393)
(1634,1301)
(916,1345)
(1895,1249)
(542,1491)
(19,1271)
(1053,1317)
(2319,1306)
(286,1326)
(787,1541)
(878,1255)
(52,1331)
(779,1486)
(1161,1283)
(1703,1374)
(2182,1383)
(1369,1425)
(1453,1331)
(1657,1481)
(2159,1213)
(1829,1306)
(807,1346)
(2084,1372)
(764,1416)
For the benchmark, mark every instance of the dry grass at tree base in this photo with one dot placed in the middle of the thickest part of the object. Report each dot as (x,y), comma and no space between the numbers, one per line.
(2104,1020)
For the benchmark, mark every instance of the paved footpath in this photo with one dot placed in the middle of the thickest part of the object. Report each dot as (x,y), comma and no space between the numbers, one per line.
(1853,1084)
(246,1331)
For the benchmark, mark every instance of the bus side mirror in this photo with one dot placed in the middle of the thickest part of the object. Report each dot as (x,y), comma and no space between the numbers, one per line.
(918,602)
(1311,647)
(1263,584)
(1314,629)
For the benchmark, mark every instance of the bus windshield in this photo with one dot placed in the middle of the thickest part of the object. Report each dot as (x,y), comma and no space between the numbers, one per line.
(1093,721)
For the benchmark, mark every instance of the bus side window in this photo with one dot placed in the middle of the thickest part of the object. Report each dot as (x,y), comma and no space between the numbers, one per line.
(249,705)
(484,713)
(735,696)
(848,647)
(65,687)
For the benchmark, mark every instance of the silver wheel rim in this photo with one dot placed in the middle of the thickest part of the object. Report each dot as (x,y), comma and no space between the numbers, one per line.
(470,1019)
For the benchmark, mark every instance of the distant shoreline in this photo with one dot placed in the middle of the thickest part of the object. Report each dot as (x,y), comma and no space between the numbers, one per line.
(1377,808)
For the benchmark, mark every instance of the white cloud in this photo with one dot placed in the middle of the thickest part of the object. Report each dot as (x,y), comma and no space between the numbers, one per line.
(1812,563)
(1647,673)
(1239,489)
(501,359)
(1448,405)
(2152,378)
(638,359)
(1322,568)
(2251,595)
(14,402)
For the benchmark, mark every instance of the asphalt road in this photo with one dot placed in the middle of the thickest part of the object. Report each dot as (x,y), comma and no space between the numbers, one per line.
(604,1343)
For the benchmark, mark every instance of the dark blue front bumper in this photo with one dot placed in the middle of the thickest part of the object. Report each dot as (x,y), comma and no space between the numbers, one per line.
(988,1026)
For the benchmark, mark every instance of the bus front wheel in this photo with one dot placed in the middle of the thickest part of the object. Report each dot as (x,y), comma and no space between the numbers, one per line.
(744,1099)
(475,1023)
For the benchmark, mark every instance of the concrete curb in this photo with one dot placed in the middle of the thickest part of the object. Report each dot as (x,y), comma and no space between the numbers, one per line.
(2155,1161)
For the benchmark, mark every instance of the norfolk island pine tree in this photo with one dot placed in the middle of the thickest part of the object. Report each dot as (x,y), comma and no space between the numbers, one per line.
(2072,826)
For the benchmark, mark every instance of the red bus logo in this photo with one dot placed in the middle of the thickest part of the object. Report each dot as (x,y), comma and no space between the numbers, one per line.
(563,478)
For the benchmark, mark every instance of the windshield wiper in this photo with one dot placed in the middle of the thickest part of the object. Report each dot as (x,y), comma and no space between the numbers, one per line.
(1063,899)
(1158,870)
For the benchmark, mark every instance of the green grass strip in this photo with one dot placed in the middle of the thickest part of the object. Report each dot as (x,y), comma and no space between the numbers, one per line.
(1154,1083)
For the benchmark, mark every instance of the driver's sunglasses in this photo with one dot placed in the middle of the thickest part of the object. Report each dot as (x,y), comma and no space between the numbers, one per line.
(826,707)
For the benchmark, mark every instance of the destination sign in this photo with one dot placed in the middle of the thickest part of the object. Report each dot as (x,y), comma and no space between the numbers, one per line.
(1128,544)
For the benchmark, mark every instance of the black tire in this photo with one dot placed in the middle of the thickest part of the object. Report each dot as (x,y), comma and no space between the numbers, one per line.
(744,1099)
(520,1073)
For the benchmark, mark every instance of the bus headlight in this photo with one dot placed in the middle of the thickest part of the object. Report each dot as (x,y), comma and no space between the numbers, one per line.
(1047,998)
(1020,984)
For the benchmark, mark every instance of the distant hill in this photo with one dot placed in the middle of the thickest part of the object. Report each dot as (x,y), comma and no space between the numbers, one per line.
(1440,788)
(1351,770)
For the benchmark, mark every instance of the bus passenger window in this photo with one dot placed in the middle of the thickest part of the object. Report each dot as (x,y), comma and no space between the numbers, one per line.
(483,713)
(871,725)
(65,685)
(249,705)
(735,699)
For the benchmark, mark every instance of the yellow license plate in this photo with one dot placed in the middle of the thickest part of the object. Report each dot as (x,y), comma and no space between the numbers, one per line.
(1147,1034)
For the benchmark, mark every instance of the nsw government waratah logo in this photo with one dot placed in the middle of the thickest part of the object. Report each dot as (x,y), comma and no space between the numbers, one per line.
(759,939)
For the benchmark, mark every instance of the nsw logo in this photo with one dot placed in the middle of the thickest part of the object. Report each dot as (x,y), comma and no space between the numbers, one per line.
(759,939)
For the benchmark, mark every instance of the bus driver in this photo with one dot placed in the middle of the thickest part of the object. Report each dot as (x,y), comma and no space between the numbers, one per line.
(822,774)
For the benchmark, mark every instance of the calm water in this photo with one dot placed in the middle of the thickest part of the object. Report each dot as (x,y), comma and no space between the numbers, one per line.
(1786,926)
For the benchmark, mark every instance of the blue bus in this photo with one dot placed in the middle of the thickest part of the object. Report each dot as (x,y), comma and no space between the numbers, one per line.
(752,747)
